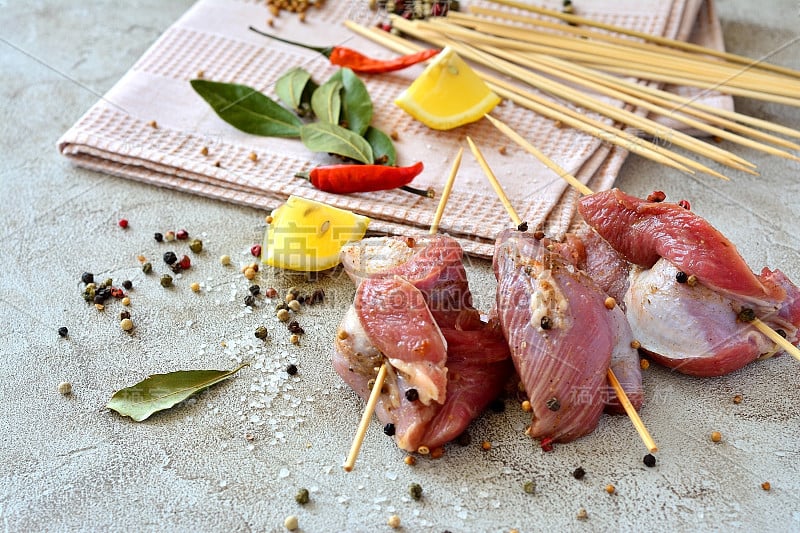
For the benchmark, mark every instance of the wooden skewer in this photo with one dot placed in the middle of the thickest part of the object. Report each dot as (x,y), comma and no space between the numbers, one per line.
(448,186)
(623,397)
(636,420)
(495,184)
(665,41)
(365,419)
(557,112)
(375,393)
(777,339)
(698,53)
(563,91)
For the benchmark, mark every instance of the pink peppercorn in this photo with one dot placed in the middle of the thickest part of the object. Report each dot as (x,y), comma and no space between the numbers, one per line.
(256,250)
(685,204)
(123,223)
(182,235)
(185,263)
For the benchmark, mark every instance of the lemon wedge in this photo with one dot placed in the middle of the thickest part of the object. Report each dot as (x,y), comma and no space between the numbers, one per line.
(447,94)
(306,235)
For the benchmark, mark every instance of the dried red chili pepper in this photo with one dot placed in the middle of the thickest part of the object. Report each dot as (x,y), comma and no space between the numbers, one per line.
(346,179)
(358,62)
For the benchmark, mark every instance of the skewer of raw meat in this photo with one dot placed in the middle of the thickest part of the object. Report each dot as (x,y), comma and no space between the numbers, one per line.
(659,235)
(561,332)
(435,355)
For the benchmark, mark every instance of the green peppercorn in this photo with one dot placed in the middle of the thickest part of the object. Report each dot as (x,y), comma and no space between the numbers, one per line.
(108,282)
(529,487)
(302,496)
(166,280)
(147,268)
(415,491)
(261,332)
(196,246)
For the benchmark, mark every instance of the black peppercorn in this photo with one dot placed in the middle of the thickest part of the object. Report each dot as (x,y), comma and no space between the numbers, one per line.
(158,237)
(127,284)
(87,277)
(781,332)
(389,429)
(255,290)
(746,315)
(412,395)
(546,323)
(523,227)
(249,300)
(295,328)
(578,473)
(553,404)
(649,460)
(170,258)
(291,370)
(317,296)
(62,331)
(124,314)
(681,277)
(98,299)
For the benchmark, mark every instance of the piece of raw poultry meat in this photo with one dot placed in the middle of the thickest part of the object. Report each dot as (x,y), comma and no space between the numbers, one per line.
(562,336)
(411,302)
(690,327)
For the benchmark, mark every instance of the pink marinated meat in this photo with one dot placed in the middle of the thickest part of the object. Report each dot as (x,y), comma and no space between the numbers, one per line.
(695,330)
(560,334)
(398,323)
(642,232)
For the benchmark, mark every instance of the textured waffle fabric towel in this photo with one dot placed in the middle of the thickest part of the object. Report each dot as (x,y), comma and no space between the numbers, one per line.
(152,127)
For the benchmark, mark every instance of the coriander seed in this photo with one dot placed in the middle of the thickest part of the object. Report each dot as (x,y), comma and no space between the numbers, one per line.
(290,523)
(294,305)
(294,338)
(126,324)
(126,301)
(282,315)
(716,436)
(195,287)
(249,273)
(225,260)
(610,489)
(393,522)
(582,514)
(410,460)
(65,388)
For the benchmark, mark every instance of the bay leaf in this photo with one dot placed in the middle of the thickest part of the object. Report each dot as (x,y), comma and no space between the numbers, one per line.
(291,85)
(326,102)
(248,110)
(305,99)
(162,391)
(334,139)
(382,145)
(356,103)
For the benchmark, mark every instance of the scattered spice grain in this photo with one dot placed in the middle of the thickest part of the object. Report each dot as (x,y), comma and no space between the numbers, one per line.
(526,406)
(225,260)
(582,514)
(196,246)
(302,496)
(610,489)
(253,156)
(294,327)
(255,250)
(255,290)
(169,236)
(691,280)
(271,292)
(636,344)
(87,277)
(124,314)
(486,445)
(294,338)
(153,124)
(389,429)
(644,364)
(410,460)
(170,258)
(182,235)
(294,305)
(766,486)
(412,395)
(737,399)
(249,300)
(204,150)
(437,453)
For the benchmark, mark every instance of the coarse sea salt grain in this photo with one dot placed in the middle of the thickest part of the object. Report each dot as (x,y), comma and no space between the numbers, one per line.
(283,473)
(391,475)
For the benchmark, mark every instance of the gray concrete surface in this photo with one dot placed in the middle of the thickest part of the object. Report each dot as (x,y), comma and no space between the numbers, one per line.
(69,464)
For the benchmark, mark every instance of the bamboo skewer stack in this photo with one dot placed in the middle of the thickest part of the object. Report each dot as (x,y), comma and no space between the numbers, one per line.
(535,57)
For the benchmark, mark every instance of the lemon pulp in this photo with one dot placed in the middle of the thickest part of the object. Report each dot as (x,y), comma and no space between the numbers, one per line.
(308,236)
(447,94)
